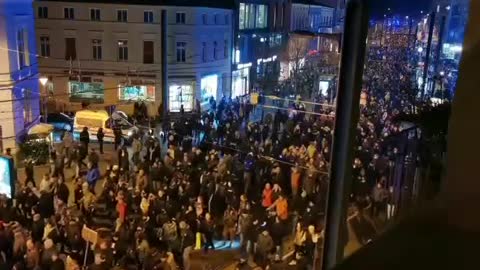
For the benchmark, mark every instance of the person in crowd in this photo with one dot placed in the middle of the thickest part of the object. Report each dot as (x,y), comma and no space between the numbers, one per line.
(85,138)
(265,246)
(93,175)
(100,137)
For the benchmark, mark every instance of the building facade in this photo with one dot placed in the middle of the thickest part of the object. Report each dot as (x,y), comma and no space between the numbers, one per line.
(166,54)
(261,28)
(313,45)
(99,53)
(19,95)
(198,54)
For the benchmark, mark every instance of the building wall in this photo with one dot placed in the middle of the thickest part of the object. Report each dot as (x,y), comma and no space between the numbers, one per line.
(311,18)
(254,45)
(19,95)
(109,69)
(199,36)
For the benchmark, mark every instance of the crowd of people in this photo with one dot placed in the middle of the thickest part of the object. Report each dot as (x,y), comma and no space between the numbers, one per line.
(209,179)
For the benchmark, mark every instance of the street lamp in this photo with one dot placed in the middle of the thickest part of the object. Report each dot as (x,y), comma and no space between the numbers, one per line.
(43,81)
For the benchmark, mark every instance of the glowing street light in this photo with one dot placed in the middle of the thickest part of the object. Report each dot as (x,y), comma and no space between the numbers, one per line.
(43,80)
(420,49)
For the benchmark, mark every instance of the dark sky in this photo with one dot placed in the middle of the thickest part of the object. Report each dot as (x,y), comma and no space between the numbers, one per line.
(401,7)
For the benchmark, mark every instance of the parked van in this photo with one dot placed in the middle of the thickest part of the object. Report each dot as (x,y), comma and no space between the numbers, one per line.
(94,120)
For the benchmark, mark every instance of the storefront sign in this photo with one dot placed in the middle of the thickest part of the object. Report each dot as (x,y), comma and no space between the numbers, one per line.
(85,91)
(136,92)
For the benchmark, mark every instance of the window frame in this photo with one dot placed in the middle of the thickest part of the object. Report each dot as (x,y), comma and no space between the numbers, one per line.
(122,50)
(181,51)
(204,19)
(44,46)
(122,15)
(42,12)
(215,49)
(148,16)
(152,52)
(69,13)
(97,53)
(21,55)
(74,51)
(93,14)
(204,51)
(180,17)
(225,48)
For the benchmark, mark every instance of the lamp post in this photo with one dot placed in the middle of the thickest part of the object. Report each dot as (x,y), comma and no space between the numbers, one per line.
(43,81)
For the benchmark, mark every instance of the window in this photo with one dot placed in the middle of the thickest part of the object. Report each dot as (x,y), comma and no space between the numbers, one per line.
(180,95)
(180,18)
(181,52)
(227,19)
(241,16)
(21,48)
(274,19)
(69,13)
(216,18)
(204,19)
(225,49)
(70,49)
(214,50)
(123,50)
(122,15)
(252,16)
(45,46)
(282,15)
(97,49)
(204,51)
(27,107)
(261,16)
(95,14)
(43,12)
(148,16)
(148,52)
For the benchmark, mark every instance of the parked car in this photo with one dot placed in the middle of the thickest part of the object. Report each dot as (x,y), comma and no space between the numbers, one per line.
(60,121)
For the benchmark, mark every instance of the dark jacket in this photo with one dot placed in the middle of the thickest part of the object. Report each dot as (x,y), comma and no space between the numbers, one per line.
(264,244)
(84,137)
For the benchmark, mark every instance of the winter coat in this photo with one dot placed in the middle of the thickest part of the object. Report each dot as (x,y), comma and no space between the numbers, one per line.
(264,244)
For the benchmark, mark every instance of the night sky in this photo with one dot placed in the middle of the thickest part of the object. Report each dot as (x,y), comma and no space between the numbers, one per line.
(401,7)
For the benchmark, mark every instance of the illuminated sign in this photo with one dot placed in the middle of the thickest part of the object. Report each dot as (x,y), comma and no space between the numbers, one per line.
(6,176)
(178,95)
(136,92)
(266,60)
(242,66)
(85,91)
(209,87)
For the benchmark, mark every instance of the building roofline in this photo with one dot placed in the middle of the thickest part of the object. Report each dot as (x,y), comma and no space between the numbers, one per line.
(221,4)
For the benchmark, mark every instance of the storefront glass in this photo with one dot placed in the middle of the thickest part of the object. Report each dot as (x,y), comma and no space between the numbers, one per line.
(209,87)
(240,82)
(179,95)
(136,92)
(84,91)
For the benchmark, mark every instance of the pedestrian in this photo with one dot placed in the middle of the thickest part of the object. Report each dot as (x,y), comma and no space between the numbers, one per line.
(93,175)
(85,138)
(264,248)
(208,227)
(100,136)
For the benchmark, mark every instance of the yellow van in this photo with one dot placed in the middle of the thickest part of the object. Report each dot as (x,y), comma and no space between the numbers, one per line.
(94,120)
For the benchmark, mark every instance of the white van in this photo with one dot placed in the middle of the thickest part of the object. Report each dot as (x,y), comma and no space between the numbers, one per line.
(94,120)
